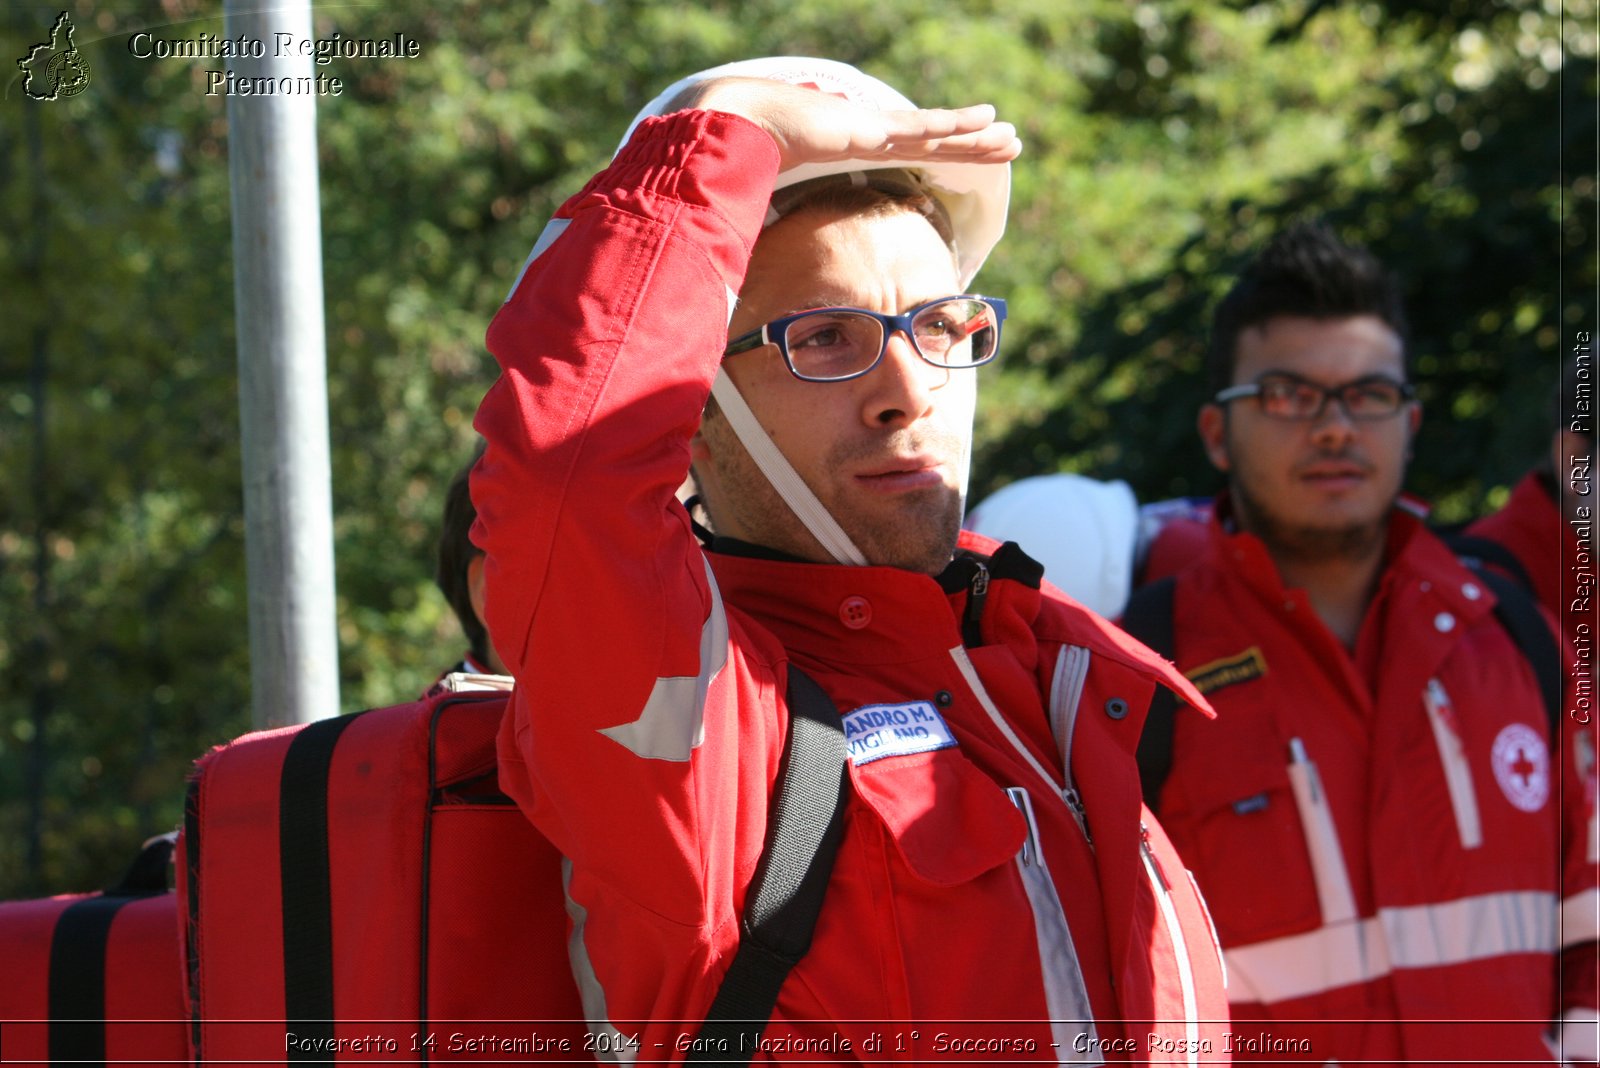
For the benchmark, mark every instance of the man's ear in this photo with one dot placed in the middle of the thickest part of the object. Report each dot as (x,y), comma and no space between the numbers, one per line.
(1212,423)
(1413,424)
(699,448)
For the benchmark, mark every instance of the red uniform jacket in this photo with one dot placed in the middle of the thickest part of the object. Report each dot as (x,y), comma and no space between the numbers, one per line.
(1384,838)
(648,719)
(1561,569)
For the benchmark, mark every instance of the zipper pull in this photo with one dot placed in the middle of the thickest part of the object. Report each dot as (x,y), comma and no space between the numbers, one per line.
(1151,859)
(977,592)
(1075,806)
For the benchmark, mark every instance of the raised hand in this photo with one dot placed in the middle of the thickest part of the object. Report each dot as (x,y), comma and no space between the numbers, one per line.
(814,127)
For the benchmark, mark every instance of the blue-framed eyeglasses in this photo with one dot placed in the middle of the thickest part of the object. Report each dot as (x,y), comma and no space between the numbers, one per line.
(836,344)
(1286,396)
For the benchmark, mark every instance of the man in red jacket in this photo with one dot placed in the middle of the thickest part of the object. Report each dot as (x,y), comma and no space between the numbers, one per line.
(1548,524)
(793,242)
(1393,860)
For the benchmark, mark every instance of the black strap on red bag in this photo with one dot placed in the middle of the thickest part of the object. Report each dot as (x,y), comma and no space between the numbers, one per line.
(77,990)
(307,886)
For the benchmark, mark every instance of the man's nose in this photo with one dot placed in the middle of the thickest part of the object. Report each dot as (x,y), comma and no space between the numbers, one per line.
(903,384)
(1334,420)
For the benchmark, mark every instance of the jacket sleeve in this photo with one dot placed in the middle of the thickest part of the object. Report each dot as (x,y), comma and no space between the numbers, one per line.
(620,742)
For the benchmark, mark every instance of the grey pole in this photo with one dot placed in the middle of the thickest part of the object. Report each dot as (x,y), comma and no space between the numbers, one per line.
(283,400)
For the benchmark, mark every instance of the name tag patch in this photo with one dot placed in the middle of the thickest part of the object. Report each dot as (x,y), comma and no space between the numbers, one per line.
(876,731)
(1229,671)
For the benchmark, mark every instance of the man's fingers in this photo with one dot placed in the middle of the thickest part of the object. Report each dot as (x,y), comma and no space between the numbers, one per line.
(966,134)
(931,123)
(996,144)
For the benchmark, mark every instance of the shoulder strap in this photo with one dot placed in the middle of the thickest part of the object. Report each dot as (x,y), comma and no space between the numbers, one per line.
(1518,613)
(1482,553)
(1148,617)
(786,894)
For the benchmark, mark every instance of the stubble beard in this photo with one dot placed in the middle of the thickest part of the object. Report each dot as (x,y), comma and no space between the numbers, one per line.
(920,535)
(1306,544)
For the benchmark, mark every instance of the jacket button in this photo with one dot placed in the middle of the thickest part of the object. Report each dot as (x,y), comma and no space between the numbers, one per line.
(1116,708)
(1470,591)
(943,698)
(855,612)
(1444,622)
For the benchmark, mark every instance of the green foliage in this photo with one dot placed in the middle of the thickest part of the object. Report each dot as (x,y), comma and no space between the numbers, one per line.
(1166,140)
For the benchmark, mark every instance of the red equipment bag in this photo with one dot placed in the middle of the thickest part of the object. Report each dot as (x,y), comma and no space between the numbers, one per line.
(359,889)
(96,977)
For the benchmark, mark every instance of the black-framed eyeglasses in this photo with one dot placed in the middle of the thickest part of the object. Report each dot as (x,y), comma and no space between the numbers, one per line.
(836,344)
(1286,396)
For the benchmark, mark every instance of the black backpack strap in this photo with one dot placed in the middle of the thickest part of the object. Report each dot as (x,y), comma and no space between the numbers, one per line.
(1148,617)
(1482,553)
(785,896)
(77,982)
(1519,614)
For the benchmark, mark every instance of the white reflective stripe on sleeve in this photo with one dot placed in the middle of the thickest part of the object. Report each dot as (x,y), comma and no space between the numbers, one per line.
(975,684)
(778,471)
(1066,690)
(1453,757)
(1066,994)
(672,723)
(1418,936)
(552,230)
(1180,950)
(1322,838)
(614,1047)
(1580,917)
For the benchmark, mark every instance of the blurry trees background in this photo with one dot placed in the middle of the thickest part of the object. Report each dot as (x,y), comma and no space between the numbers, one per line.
(1165,141)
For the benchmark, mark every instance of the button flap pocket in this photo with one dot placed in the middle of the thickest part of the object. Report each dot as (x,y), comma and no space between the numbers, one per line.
(949,822)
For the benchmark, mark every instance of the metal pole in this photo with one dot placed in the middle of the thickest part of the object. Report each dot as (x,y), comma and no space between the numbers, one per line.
(283,401)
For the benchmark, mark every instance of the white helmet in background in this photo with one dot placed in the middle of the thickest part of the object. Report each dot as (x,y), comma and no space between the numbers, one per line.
(974,195)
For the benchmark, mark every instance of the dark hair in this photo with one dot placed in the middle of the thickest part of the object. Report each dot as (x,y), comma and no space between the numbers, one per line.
(456,551)
(1304,271)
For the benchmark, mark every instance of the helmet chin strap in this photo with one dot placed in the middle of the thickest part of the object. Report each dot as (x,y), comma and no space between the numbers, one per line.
(784,478)
(792,488)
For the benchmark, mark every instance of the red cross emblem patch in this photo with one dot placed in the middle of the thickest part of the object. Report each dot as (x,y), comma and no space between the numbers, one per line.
(1521,761)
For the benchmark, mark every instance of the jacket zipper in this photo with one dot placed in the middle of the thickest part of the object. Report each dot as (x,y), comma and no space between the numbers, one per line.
(1066,690)
(1180,947)
(977,593)
(1453,756)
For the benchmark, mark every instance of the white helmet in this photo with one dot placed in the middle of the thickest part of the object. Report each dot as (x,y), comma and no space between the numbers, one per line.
(974,195)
